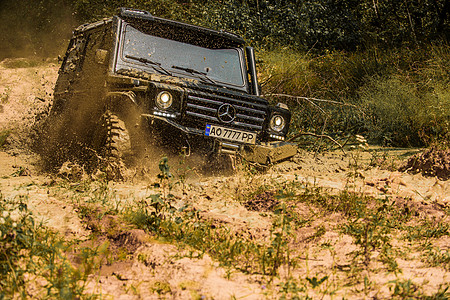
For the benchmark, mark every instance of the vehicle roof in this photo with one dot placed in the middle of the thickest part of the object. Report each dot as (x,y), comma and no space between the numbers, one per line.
(145,17)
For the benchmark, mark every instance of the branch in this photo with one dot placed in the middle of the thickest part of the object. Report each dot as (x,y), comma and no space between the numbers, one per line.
(311,100)
(317,136)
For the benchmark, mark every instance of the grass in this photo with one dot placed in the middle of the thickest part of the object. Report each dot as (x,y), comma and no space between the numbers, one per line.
(282,258)
(372,223)
(406,289)
(397,98)
(231,249)
(427,229)
(436,257)
(32,258)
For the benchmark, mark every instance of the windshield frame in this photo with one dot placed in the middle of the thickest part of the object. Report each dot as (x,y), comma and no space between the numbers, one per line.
(121,62)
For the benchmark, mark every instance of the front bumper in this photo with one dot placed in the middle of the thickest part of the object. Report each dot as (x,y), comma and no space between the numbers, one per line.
(262,153)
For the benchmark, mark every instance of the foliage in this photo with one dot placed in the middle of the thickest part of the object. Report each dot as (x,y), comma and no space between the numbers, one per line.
(396,98)
(371,231)
(302,25)
(406,289)
(437,257)
(18,243)
(30,253)
(348,24)
(401,116)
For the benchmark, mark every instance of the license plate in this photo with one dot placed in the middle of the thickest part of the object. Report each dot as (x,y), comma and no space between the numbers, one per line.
(230,134)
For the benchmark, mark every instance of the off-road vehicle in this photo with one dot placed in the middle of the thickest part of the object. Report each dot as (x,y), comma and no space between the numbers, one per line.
(135,80)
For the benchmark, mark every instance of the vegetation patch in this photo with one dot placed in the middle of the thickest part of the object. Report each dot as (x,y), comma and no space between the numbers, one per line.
(379,94)
(33,261)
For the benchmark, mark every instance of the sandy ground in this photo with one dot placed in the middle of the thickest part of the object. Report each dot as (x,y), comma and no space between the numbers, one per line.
(155,270)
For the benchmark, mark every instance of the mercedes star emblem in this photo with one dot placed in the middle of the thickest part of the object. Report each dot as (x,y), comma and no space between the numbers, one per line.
(226,113)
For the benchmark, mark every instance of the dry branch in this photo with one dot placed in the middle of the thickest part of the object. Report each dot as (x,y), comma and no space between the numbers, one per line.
(317,136)
(312,100)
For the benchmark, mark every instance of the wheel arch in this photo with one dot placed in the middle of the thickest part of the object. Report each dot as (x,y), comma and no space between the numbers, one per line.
(121,103)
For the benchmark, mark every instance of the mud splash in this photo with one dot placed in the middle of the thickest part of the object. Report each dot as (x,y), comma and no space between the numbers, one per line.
(432,162)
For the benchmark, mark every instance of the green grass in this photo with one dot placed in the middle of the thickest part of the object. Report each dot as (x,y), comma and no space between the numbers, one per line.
(436,257)
(427,229)
(374,224)
(407,289)
(31,253)
(397,97)
(184,226)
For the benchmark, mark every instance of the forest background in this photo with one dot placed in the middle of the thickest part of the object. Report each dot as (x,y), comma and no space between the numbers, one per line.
(379,68)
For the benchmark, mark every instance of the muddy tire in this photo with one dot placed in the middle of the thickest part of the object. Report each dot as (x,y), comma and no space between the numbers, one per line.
(118,140)
(113,142)
(122,138)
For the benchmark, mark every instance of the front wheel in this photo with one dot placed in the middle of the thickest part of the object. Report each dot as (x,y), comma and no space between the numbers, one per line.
(118,144)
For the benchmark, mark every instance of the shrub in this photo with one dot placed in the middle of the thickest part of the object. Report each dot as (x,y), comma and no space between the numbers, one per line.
(397,98)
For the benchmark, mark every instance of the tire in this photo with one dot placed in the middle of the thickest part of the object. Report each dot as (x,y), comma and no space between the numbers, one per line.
(118,143)
(112,143)
(123,139)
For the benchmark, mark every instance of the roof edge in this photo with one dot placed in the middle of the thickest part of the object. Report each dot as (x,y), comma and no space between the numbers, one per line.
(146,16)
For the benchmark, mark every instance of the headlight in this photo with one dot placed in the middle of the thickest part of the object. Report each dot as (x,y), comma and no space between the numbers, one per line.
(164,100)
(277,123)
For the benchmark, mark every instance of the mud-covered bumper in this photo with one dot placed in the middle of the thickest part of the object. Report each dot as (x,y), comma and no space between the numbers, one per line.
(261,153)
(267,153)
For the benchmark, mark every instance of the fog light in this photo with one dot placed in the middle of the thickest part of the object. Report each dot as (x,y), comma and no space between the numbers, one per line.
(164,100)
(277,137)
(164,114)
(277,123)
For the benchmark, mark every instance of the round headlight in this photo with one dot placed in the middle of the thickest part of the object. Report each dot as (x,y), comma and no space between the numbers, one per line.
(164,100)
(277,123)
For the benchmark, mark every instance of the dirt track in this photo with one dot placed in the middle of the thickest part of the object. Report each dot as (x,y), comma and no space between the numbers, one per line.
(243,203)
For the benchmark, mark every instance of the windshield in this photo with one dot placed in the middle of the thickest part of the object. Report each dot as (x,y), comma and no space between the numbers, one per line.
(181,59)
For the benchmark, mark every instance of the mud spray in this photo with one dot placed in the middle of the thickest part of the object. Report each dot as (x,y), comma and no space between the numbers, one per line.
(34,28)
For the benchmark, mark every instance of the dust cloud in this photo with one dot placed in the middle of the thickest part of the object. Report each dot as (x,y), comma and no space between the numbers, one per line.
(34,28)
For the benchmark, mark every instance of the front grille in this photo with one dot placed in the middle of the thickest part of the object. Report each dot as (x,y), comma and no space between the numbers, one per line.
(203,107)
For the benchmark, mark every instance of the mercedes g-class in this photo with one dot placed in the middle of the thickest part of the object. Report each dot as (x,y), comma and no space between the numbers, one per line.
(140,80)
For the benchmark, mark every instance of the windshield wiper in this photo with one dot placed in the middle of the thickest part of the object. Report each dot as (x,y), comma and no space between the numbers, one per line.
(192,71)
(161,70)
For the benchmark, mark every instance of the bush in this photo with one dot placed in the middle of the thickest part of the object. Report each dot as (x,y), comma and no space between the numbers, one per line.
(396,98)
(399,115)
(33,263)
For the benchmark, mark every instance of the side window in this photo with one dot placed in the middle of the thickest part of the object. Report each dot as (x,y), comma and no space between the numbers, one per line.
(75,54)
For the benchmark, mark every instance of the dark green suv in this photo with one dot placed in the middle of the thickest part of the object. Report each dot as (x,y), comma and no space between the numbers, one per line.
(135,81)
